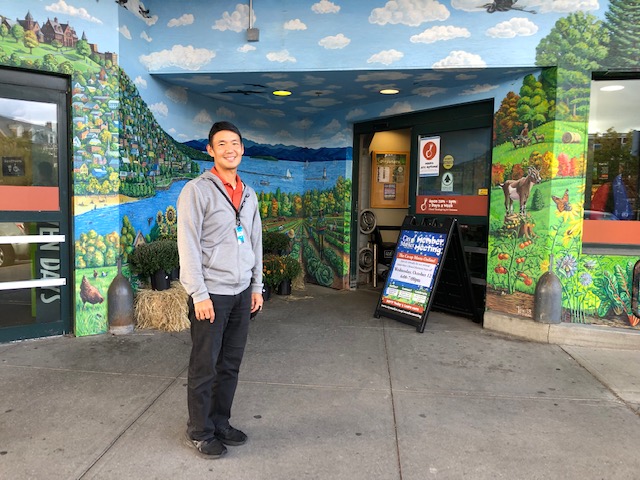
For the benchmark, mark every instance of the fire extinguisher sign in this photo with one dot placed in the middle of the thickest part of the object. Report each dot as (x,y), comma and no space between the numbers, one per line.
(429,156)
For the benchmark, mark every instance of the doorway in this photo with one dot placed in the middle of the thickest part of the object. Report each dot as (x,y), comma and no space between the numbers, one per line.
(35,265)
(458,178)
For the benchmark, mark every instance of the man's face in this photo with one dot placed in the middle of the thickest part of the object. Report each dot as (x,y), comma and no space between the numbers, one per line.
(226,150)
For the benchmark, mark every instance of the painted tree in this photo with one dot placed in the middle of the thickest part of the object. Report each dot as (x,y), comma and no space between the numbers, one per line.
(623,24)
(50,63)
(30,41)
(505,122)
(83,49)
(533,106)
(549,80)
(66,68)
(4,31)
(17,32)
(578,44)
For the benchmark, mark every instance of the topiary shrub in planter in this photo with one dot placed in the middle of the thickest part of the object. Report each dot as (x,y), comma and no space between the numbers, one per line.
(275,242)
(155,260)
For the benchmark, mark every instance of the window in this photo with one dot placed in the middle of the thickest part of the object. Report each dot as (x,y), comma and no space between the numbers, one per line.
(612,195)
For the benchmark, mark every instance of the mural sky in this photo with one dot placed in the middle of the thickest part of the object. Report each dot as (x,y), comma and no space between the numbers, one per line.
(184,37)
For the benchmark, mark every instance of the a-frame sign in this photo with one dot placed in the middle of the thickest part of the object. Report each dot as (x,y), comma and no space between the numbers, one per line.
(429,270)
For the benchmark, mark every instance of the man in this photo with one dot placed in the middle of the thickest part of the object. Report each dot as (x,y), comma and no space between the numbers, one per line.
(220,246)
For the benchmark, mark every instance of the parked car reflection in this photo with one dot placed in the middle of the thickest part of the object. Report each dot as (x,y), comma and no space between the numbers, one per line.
(10,252)
(598,215)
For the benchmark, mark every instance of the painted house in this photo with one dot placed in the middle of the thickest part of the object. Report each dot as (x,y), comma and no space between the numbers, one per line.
(519,122)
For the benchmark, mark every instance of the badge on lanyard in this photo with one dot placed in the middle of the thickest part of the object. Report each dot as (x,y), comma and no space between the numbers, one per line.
(240,234)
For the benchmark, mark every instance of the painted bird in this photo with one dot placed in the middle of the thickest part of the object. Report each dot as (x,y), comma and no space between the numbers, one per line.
(89,293)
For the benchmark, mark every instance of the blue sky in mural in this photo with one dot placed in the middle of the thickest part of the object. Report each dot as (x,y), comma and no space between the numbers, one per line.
(299,36)
(417,33)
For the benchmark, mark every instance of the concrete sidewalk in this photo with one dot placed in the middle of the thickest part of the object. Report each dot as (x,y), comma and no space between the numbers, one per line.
(327,391)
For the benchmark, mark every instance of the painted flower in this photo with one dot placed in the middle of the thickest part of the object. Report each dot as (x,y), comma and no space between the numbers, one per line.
(567,266)
(544,266)
(574,230)
(585,279)
(170,215)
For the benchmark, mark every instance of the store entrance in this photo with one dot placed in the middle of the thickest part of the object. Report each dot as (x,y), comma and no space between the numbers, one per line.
(447,174)
(35,261)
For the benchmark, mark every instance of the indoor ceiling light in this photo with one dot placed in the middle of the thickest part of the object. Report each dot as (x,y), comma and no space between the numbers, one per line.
(282,93)
(389,91)
(612,88)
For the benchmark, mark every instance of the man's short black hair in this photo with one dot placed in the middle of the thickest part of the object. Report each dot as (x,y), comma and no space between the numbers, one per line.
(220,126)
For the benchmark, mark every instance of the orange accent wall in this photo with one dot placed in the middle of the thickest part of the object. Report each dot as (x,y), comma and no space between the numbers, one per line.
(611,232)
(21,199)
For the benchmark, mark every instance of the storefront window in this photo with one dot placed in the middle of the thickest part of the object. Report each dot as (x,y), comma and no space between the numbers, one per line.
(612,195)
(28,155)
(453,173)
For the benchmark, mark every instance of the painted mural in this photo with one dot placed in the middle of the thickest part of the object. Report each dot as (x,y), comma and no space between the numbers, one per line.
(539,159)
(137,140)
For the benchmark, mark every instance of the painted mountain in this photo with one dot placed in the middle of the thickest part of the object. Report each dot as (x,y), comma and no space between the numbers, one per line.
(285,152)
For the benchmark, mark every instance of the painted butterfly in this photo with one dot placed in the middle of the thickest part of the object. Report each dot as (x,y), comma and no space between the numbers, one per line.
(562,203)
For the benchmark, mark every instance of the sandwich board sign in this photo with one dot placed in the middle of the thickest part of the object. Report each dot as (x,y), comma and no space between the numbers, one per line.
(428,271)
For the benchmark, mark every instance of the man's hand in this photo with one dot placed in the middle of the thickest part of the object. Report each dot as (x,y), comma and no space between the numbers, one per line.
(204,310)
(256,302)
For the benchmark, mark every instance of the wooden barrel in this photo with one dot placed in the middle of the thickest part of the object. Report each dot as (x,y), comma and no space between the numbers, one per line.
(571,137)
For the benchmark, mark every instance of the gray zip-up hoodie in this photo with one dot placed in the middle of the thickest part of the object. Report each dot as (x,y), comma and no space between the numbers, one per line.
(211,259)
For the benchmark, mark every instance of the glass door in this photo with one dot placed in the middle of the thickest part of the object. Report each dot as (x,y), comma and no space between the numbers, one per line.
(452,173)
(34,206)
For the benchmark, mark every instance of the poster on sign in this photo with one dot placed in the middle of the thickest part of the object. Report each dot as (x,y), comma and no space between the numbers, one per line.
(429,153)
(410,280)
(426,256)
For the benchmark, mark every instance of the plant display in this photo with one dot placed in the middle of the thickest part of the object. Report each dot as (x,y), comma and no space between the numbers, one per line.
(272,270)
(278,268)
(275,242)
(292,267)
(148,258)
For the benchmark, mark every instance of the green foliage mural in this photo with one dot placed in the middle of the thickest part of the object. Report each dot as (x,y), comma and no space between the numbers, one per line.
(318,225)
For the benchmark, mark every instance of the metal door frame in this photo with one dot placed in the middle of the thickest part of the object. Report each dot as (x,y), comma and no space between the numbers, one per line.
(52,88)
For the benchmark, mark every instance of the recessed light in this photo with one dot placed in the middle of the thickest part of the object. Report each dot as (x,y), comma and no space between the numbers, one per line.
(612,88)
(282,93)
(389,91)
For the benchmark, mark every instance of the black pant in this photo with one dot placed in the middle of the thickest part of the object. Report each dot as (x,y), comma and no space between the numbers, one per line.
(216,354)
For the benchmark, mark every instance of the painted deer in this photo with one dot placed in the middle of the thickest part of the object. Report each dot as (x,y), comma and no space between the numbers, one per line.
(520,190)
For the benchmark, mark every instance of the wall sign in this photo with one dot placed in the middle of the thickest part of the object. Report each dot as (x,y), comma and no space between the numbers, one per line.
(13,167)
(429,156)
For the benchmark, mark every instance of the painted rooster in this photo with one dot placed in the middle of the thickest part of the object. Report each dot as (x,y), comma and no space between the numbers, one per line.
(89,293)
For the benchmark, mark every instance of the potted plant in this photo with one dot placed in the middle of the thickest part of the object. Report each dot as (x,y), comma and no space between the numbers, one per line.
(275,242)
(156,260)
(272,273)
(291,269)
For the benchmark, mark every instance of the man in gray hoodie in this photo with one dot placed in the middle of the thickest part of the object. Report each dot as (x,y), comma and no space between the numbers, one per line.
(220,246)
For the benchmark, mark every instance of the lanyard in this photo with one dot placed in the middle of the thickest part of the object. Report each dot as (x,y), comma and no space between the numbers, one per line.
(226,197)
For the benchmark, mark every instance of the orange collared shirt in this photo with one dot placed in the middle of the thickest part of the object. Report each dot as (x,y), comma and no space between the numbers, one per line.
(235,194)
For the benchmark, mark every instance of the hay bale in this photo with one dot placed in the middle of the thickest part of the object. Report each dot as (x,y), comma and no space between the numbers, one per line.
(164,310)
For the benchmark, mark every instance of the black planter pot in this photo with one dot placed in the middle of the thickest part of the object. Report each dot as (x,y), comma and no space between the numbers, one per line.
(160,280)
(175,274)
(284,288)
(266,292)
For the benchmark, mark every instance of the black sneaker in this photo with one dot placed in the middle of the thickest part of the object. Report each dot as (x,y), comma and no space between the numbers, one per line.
(231,436)
(210,449)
